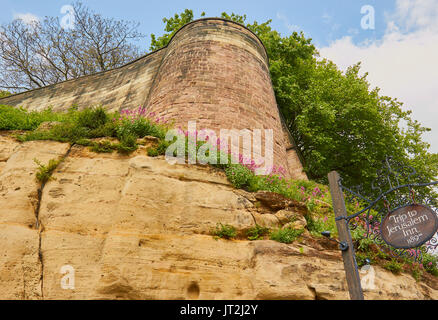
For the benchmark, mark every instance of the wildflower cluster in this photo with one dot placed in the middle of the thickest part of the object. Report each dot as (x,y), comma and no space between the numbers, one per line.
(139,113)
(195,139)
(369,224)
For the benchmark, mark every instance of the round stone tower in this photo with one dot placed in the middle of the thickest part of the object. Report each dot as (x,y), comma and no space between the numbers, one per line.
(215,72)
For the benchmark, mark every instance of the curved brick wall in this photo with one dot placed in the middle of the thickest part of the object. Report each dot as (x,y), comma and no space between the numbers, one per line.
(213,71)
(216,73)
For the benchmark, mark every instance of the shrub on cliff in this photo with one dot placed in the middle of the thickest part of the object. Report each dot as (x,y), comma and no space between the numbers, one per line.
(78,126)
(92,118)
(286,235)
(44,173)
(224,231)
(19,119)
(257,232)
(239,175)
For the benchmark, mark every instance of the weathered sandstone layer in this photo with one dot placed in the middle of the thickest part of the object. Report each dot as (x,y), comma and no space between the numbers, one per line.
(135,227)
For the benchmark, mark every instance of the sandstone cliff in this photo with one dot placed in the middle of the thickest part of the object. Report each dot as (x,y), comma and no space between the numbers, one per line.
(135,227)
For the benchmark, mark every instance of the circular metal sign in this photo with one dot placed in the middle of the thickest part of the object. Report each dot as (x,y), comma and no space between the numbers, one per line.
(409,226)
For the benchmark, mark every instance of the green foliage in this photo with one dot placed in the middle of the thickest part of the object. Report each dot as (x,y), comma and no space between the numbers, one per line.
(316,225)
(153,152)
(357,233)
(365,244)
(417,273)
(66,132)
(44,173)
(345,126)
(84,142)
(224,231)
(361,258)
(430,263)
(257,232)
(77,126)
(286,235)
(382,255)
(19,119)
(242,177)
(102,147)
(160,149)
(74,125)
(394,266)
(238,175)
(173,24)
(140,127)
(92,118)
(162,146)
(109,129)
(128,144)
(34,135)
(4,94)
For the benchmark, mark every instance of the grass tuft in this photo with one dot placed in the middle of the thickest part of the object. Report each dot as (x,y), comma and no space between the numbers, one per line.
(44,173)
(224,231)
(286,235)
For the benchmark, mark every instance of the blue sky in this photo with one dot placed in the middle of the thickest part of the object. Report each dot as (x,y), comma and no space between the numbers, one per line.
(322,20)
(399,53)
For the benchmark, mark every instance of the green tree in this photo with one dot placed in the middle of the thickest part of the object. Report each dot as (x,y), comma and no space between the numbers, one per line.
(173,24)
(336,119)
(344,125)
(37,54)
(4,93)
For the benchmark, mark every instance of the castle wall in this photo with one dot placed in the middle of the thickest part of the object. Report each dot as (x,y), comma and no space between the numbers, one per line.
(216,73)
(123,87)
(213,71)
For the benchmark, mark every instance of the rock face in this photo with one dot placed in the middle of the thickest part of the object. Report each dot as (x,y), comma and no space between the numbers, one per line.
(135,227)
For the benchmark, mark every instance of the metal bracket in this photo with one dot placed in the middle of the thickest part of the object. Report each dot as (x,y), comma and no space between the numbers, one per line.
(342,245)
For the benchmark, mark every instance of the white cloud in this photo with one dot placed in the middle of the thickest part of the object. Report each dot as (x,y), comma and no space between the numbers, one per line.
(416,14)
(290,27)
(404,62)
(27,18)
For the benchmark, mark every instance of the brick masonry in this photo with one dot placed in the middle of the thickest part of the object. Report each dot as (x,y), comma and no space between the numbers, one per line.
(213,71)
